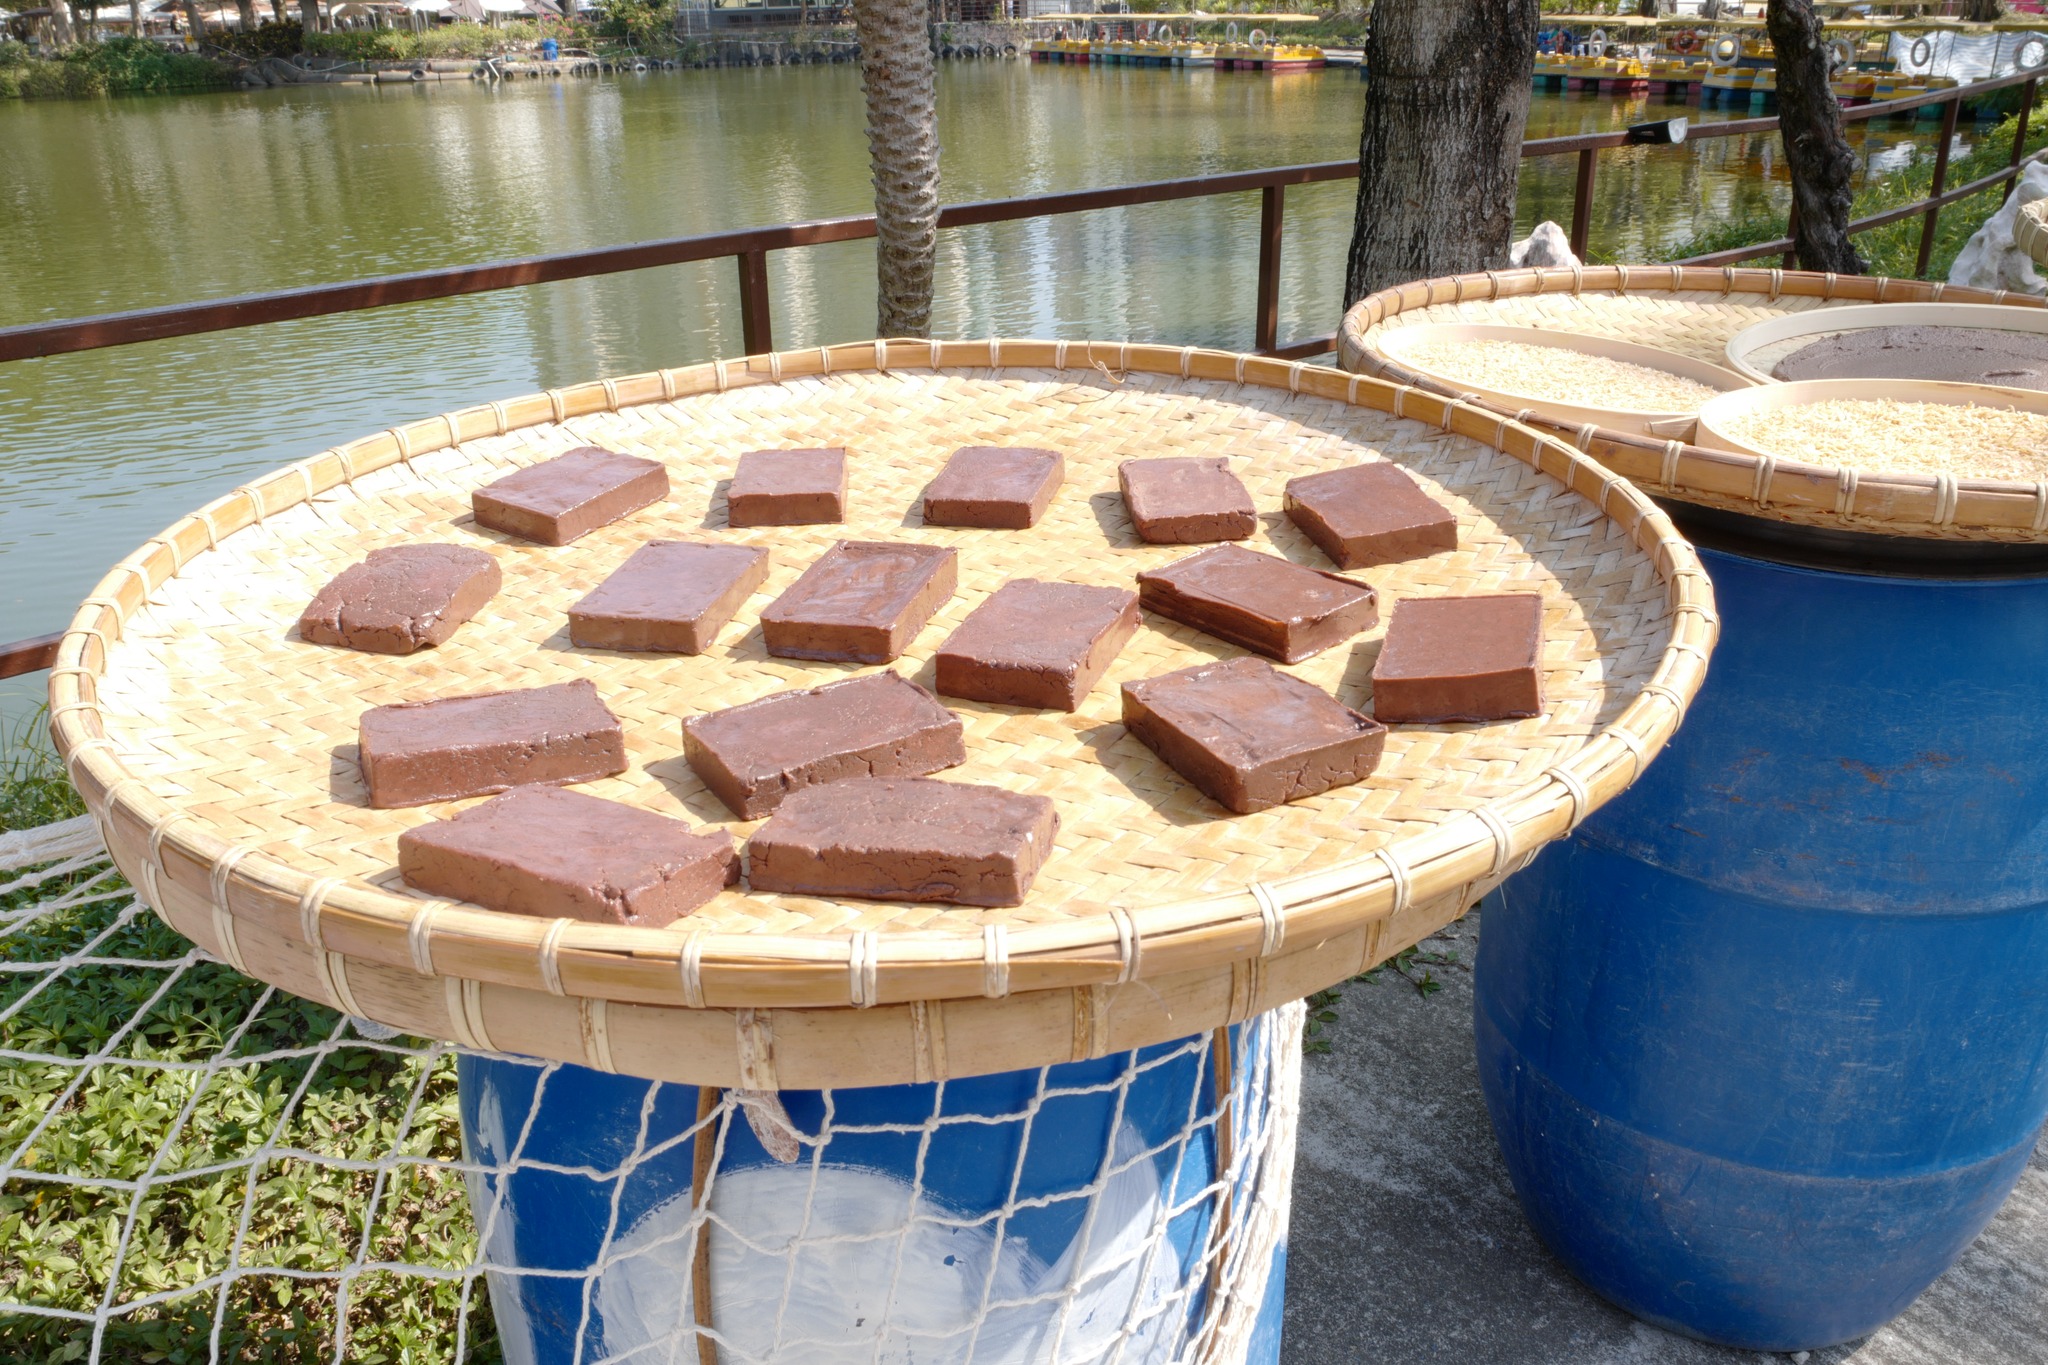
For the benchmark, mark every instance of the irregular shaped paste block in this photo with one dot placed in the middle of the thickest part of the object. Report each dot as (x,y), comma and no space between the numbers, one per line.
(1034,643)
(864,601)
(555,854)
(1186,500)
(1275,606)
(1366,514)
(560,500)
(421,751)
(401,598)
(1461,658)
(1251,736)
(788,488)
(905,839)
(754,755)
(670,595)
(1006,488)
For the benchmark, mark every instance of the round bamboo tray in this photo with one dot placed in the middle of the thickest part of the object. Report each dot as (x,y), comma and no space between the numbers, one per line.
(217,751)
(1696,310)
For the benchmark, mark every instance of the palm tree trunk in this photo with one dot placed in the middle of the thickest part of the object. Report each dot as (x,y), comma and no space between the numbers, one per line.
(246,9)
(60,23)
(309,15)
(903,148)
(1442,144)
(1816,150)
(135,18)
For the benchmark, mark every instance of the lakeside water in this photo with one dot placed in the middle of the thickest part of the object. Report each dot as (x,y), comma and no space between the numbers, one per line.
(122,204)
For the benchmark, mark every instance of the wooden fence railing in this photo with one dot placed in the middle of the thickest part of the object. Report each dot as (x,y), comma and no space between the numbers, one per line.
(748,248)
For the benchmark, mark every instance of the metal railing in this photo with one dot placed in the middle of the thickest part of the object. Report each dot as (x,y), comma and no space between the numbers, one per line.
(749,247)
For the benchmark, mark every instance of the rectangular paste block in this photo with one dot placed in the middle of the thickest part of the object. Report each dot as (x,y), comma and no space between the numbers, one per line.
(564,855)
(905,839)
(1284,610)
(1034,643)
(401,598)
(421,751)
(754,755)
(1366,514)
(788,488)
(563,499)
(670,595)
(864,601)
(1461,658)
(1006,488)
(1251,736)
(1186,500)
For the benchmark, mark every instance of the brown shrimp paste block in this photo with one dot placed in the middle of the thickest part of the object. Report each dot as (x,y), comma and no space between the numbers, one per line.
(788,488)
(556,854)
(1186,500)
(863,601)
(1034,643)
(401,598)
(1250,736)
(1283,610)
(563,499)
(1461,658)
(1005,488)
(671,596)
(421,751)
(753,756)
(905,839)
(1367,514)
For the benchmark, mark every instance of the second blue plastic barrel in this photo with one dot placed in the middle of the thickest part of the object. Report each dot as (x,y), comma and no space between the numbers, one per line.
(1766,1042)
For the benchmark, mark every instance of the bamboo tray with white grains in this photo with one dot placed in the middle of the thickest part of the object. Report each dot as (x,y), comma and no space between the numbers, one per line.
(1697,311)
(217,750)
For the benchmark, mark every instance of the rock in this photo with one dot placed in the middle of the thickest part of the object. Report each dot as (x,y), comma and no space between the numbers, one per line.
(1545,246)
(1991,259)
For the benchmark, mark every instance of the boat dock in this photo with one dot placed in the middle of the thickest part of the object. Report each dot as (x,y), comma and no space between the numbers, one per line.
(1223,56)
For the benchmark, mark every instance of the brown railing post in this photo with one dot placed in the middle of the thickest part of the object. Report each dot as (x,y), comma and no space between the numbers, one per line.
(1948,135)
(1272,220)
(1791,260)
(29,656)
(757,331)
(2019,138)
(1582,204)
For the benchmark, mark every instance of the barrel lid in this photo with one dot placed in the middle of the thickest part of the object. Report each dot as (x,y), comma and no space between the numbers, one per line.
(1695,311)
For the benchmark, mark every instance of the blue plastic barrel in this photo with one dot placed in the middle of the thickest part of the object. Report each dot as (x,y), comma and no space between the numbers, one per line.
(550,49)
(1010,1219)
(1766,1042)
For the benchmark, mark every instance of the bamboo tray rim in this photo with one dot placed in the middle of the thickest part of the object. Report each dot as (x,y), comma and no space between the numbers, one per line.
(863,968)
(1852,497)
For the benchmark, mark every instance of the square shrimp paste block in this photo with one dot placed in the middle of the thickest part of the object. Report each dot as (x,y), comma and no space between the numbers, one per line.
(401,598)
(563,499)
(1284,610)
(554,854)
(905,839)
(1186,500)
(671,596)
(1034,643)
(1367,514)
(754,755)
(421,751)
(788,488)
(1006,488)
(1250,736)
(863,601)
(1461,658)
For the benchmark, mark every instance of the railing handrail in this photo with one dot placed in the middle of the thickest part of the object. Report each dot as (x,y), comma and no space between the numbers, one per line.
(749,248)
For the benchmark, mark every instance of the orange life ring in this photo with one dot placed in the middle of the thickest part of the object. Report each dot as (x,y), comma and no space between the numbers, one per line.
(1686,40)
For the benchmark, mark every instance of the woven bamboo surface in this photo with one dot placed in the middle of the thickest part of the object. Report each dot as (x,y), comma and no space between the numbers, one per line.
(2030,230)
(217,749)
(1694,310)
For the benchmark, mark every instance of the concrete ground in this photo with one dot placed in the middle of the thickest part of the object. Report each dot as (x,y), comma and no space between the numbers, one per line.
(1408,1246)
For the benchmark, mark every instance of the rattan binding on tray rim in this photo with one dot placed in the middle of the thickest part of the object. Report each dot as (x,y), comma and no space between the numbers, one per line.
(764,1011)
(1697,308)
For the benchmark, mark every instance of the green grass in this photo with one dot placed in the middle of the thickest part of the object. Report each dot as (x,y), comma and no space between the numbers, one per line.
(1894,249)
(286,1074)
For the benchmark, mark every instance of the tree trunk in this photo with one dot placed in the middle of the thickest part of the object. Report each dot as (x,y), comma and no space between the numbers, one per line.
(135,18)
(1983,11)
(903,147)
(309,15)
(195,27)
(1647,9)
(1442,145)
(246,10)
(1815,149)
(60,23)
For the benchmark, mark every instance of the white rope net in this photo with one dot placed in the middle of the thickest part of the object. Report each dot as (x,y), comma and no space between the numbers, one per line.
(197,1167)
